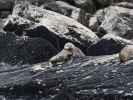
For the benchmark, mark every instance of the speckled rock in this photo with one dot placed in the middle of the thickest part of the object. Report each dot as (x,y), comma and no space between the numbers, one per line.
(48,24)
(115,20)
(24,50)
(83,78)
(108,44)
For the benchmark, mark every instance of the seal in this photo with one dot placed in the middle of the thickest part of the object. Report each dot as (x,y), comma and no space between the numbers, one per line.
(69,52)
(126,53)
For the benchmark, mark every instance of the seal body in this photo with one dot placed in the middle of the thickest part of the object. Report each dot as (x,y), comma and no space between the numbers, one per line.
(76,52)
(61,57)
(126,53)
(69,52)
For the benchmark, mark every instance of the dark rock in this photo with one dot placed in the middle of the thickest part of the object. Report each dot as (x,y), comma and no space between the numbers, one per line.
(2,22)
(16,24)
(24,50)
(6,7)
(95,77)
(87,5)
(125,5)
(96,20)
(4,14)
(115,20)
(50,24)
(109,44)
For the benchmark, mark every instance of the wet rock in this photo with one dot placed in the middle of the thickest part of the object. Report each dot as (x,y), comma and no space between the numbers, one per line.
(6,5)
(96,77)
(24,50)
(87,5)
(68,10)
(50,24)
(16,24)
(109,44)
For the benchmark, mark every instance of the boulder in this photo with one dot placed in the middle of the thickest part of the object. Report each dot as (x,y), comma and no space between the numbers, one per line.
(63,8)
(96,20)
(16,50)
(115,20)
(66,9)
(108,44)
(6,7)
(100,77)
(48,24)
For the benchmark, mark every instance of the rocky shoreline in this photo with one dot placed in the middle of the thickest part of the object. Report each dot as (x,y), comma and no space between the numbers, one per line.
(33,31)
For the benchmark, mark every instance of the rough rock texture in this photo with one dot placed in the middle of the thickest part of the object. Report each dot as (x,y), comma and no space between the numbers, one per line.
(91,77)
(108,44)
(24,50)
(115,20)
(125,4)
(63,8)
(48,24)
(6,7)
(96,20)
(38,34)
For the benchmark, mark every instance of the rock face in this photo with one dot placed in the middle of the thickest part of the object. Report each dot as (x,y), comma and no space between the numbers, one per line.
(69,52)
(108,44)
(24,51)
(6,7)
(48,23)
(63,8)
(31,35)
(115,20)
(99,76)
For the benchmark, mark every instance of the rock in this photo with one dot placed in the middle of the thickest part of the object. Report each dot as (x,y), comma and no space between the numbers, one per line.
(87,5)
(125,4)
(92,5)
(16,50)
(63,8)
(116,20)
(48,24)
(95,77)
(6,7)
(109,44)
(104,3)
(2,21)
(35,2)
(4,14)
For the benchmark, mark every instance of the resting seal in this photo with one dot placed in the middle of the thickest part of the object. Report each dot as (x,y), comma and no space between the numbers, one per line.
(69,52)
(126,53)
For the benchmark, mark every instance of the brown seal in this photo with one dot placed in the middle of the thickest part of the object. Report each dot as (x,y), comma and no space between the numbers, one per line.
(126,53)
(69,51)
